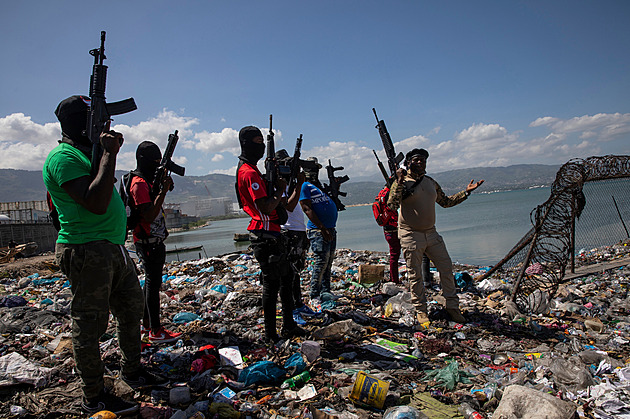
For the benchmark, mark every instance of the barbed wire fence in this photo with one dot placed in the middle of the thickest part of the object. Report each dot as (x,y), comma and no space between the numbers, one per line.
(566,222)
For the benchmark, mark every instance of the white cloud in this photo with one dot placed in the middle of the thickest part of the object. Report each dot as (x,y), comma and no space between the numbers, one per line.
(546,120)
(605,126)
(23,155)
(355,159)
(218,142)
(18,127)
(158,129)
(25,144)
(230,172)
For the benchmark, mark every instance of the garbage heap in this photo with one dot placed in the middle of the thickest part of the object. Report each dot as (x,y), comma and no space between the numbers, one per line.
(364,357)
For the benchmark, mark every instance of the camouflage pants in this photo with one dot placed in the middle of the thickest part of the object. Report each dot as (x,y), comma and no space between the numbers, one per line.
(102,278)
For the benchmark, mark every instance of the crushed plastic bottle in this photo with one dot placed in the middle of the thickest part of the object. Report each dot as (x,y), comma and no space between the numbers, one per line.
(297,381)
(469,412)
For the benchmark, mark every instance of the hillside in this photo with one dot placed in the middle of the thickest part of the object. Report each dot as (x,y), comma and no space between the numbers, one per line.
(24,185)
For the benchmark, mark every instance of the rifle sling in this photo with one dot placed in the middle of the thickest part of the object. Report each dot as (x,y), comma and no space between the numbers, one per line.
(408,191)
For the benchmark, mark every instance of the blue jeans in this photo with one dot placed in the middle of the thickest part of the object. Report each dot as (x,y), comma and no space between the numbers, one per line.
(324,253)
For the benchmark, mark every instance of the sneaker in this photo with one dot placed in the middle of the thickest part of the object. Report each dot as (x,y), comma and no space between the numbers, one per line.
(144,378)
(163,336)
(305,311)
(111,403)
(456,315)
(298,319)
(294,332)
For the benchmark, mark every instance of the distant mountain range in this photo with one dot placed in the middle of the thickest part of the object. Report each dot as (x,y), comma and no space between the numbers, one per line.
(25,185)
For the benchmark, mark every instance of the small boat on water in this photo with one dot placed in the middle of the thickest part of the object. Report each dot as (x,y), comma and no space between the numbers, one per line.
(184,249)
(241,237)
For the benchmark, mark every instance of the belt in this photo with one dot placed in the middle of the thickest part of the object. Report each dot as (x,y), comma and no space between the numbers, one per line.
(263,235)
(150,240)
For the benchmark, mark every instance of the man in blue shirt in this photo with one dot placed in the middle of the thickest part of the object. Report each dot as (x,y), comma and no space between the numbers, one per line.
(321,212)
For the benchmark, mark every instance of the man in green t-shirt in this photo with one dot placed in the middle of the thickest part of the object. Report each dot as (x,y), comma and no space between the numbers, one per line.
(90,251)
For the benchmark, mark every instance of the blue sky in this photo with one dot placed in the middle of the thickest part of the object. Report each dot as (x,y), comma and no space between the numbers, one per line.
(477,83)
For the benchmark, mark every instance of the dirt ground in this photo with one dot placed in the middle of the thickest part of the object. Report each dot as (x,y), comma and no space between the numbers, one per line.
(41,264)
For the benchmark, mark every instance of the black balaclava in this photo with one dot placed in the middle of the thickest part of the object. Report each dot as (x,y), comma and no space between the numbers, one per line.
(72,113)
(148,157)
(251,152)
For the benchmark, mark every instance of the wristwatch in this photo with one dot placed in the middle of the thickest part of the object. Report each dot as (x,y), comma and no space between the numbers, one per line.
(467,193)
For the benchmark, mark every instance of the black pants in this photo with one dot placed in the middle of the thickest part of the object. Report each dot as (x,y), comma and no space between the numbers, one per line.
(297,243)
(152,256)
(276,277)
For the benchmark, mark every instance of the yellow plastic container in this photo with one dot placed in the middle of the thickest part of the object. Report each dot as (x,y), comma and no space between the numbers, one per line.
(369,390)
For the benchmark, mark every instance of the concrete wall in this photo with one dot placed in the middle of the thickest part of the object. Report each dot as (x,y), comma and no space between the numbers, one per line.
(44,234)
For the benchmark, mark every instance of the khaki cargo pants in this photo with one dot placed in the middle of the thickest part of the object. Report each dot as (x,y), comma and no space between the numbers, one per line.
(429,242)
(102,278)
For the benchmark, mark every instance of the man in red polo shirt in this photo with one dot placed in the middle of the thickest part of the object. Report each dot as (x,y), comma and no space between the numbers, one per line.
(267,243)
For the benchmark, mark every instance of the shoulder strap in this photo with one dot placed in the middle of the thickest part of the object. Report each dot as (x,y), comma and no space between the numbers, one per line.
(408,191)
(238,194)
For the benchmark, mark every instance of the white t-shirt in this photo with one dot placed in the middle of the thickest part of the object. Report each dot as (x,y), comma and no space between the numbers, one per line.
(295,220)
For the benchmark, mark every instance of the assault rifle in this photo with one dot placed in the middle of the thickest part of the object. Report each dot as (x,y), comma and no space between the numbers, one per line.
(393,160)
(332,190)
(295,166)
(271,168)
(382,168)
(100,112)
(167,165)
(271,174)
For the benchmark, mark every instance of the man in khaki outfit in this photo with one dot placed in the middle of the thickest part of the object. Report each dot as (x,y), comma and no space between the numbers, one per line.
(415,195)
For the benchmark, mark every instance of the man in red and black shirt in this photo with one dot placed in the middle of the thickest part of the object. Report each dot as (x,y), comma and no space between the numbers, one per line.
(267,243)
(149,235)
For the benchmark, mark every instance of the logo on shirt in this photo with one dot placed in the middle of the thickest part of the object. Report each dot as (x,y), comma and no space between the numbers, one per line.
(255,186)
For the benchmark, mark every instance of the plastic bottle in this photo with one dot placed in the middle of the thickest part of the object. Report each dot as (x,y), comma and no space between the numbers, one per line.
(296,381)
(469,412)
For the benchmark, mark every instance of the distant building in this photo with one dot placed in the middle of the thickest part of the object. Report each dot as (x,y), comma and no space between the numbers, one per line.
(207,207)
(175,218)
(25,211)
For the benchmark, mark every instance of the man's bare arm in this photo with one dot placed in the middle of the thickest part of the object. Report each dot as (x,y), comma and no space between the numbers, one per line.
(95,194)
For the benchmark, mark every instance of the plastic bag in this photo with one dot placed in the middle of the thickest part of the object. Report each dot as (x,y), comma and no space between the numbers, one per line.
(571,373)
(449,376)
(403,412)
(261,372)
(295,364)
(399,304)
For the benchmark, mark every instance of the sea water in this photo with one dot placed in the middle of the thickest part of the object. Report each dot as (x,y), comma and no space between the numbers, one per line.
(479,231)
